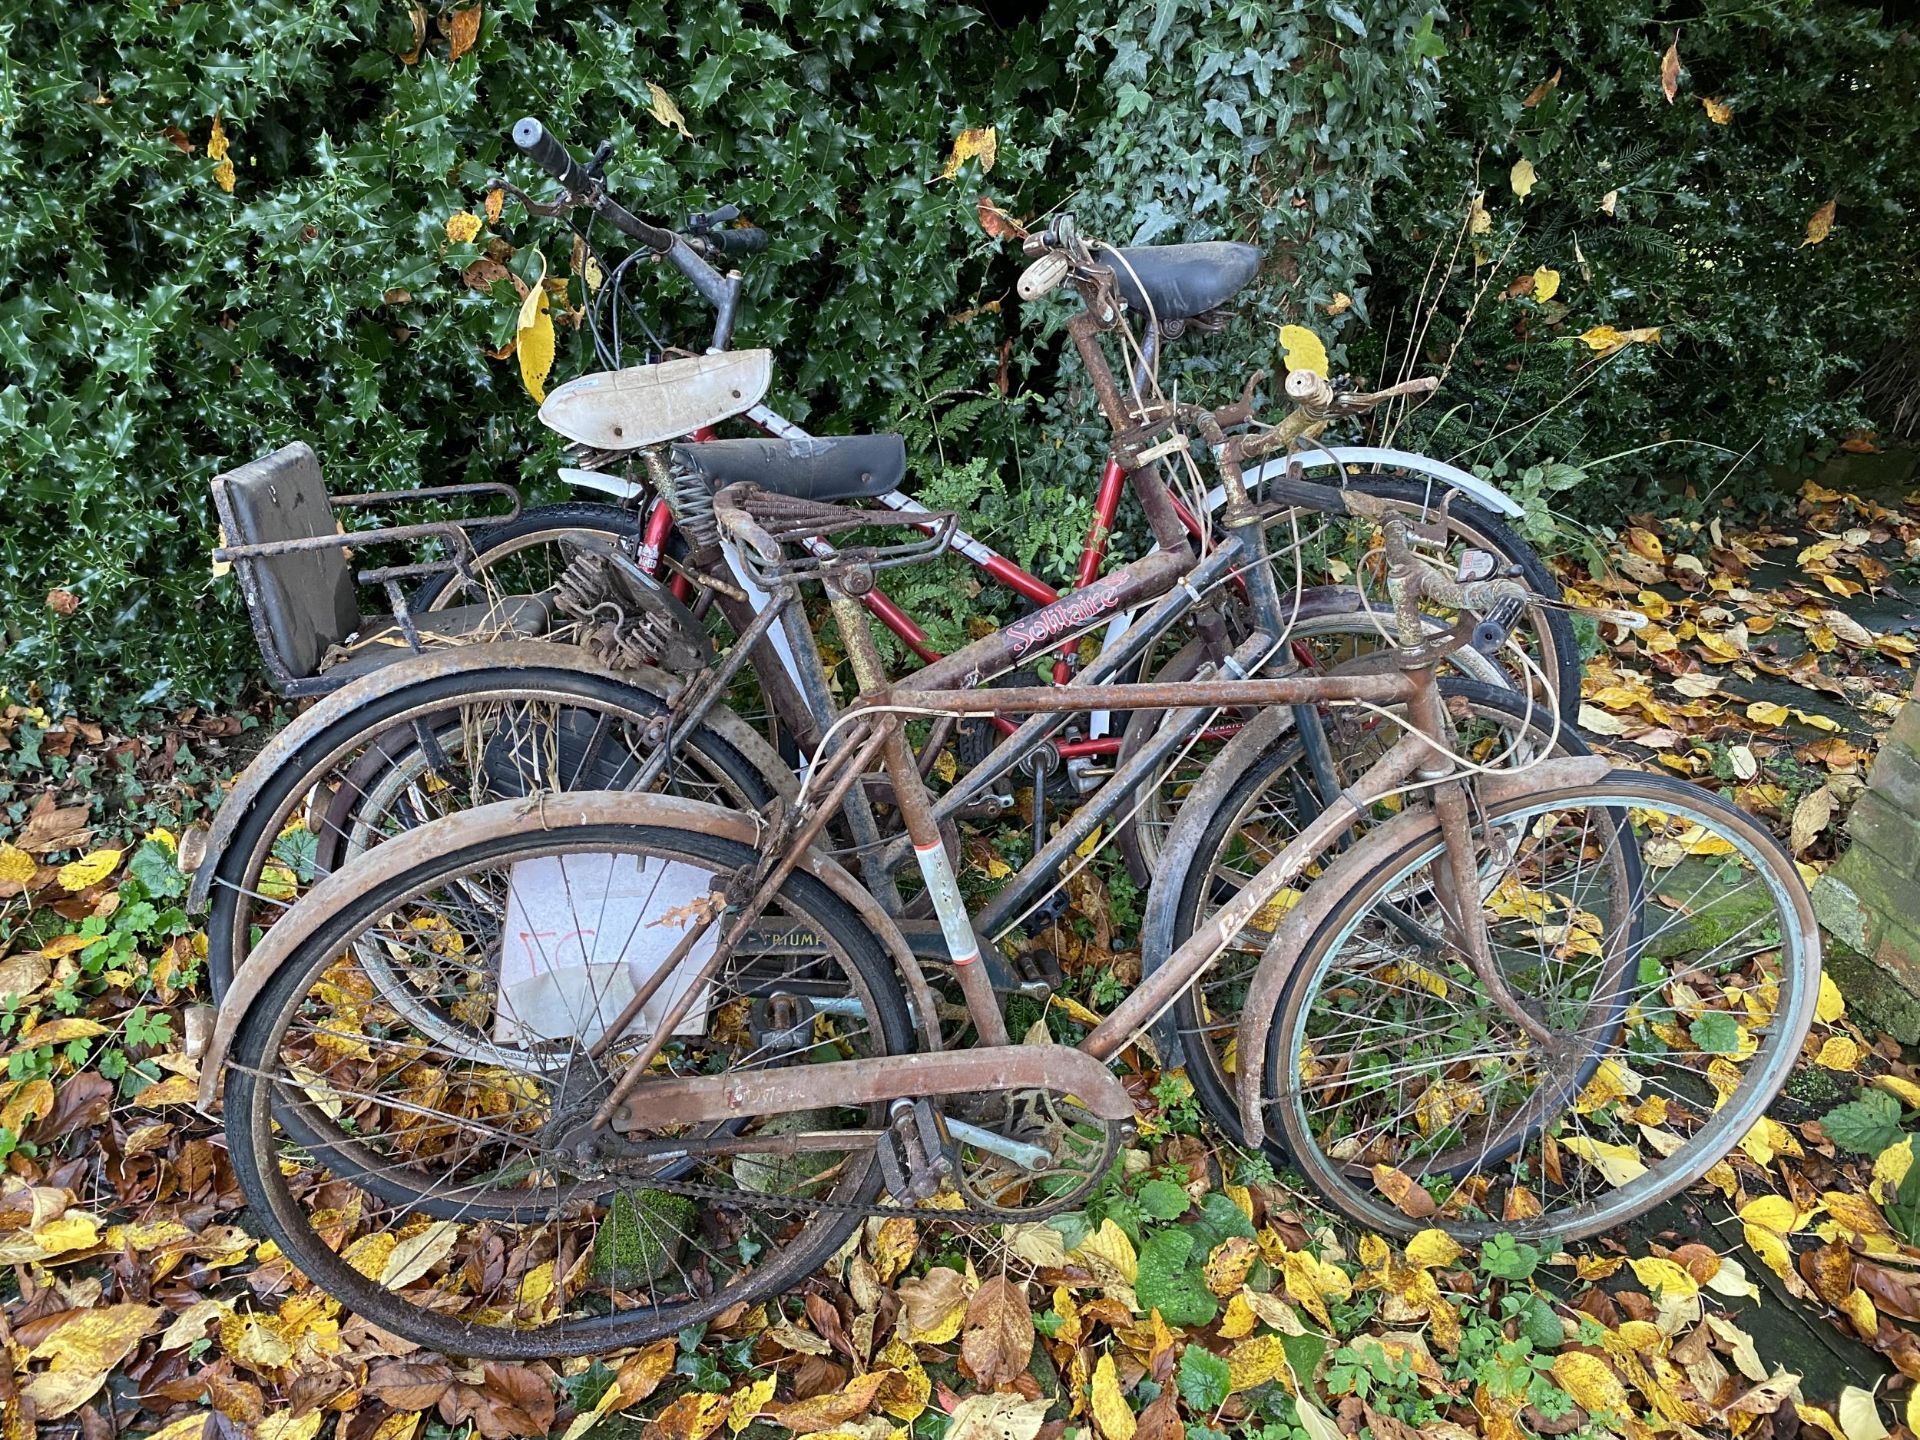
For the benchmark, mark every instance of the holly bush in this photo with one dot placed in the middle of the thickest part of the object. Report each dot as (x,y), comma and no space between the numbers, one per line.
(228,228)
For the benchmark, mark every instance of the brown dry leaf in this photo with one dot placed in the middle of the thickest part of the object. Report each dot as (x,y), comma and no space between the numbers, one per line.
(935,1305)
(1541,91)
(1670,69)
(1718,111)
(461,28)
(409,1384)
(418,15)
(1819,225)
(1407,1195)
(998,223)
(998,1338)
(51,827)
(824,1412)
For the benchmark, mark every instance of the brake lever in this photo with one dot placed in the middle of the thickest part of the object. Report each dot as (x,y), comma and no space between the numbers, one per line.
(549,210)
(598,163)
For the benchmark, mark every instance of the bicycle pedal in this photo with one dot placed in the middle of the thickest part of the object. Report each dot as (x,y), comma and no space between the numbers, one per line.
(1038,973)
(915,1152)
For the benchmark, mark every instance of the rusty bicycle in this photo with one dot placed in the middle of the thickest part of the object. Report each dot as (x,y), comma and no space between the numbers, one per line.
(698,1051)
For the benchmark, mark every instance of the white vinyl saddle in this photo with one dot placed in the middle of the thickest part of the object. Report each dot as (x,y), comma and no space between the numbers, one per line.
(647,404)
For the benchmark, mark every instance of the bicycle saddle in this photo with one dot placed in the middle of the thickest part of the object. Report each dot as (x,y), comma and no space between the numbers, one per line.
(645,404)
(832,467)
(1178,282)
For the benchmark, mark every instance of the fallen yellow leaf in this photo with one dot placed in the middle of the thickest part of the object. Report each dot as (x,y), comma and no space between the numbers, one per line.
(1303,350)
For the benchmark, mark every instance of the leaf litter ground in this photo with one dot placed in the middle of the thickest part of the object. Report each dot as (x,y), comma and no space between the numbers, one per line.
(1199,1296)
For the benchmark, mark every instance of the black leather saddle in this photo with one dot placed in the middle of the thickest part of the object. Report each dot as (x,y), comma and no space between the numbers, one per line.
(826,468)
(1178,282)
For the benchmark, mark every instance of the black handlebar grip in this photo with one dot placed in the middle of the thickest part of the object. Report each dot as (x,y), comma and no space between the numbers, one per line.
(748,240)
(538,144)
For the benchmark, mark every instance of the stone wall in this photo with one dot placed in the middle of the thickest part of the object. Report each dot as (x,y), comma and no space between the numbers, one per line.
(1870,900)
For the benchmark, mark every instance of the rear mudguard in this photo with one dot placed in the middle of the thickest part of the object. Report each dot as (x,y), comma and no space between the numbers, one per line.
(515,817)
(493,662)
(1373,457)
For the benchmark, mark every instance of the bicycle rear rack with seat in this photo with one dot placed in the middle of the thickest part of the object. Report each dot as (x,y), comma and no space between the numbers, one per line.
(280,533)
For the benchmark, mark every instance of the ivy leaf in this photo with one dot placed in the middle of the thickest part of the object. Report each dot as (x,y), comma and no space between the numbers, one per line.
(1203,1378)
(1867,1125)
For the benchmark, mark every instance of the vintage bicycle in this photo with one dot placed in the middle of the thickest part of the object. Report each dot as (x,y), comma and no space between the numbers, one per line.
(699,1051)
(373,757)
(1172,288)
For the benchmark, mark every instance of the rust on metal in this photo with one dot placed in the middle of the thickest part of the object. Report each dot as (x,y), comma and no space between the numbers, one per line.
(506,818)
(987,1069)
(1297,926)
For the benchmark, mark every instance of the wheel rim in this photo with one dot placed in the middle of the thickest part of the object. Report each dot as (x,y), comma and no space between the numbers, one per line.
(487,1134)
(1647,1109)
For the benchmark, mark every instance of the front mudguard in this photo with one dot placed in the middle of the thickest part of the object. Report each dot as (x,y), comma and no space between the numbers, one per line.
(493,661)
(506,818)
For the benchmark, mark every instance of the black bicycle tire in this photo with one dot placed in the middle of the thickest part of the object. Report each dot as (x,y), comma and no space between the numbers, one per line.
(248,842)
(249,1112)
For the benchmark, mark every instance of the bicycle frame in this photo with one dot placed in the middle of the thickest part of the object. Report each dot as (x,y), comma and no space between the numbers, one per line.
(1171,522)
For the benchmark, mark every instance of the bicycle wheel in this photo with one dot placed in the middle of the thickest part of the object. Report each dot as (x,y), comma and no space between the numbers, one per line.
(554,1237)
(1546,634)
(1273,798)
(1651,1021)
(1334,626)
(526,555)
(413,752)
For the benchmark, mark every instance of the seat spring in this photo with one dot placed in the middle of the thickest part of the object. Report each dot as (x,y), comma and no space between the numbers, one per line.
(690,498)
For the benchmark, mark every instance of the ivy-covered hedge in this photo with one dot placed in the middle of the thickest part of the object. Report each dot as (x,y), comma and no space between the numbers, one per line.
(157,326)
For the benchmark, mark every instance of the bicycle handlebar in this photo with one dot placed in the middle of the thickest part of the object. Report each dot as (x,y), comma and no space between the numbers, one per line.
(731,517)
(1316,397)
(541,146)
(747,240)
(538,144)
